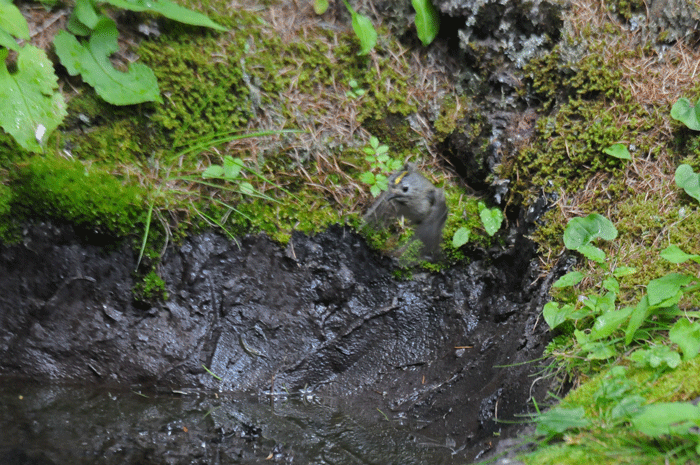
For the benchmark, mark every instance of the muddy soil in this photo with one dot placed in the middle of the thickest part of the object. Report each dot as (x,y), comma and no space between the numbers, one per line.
(322,318)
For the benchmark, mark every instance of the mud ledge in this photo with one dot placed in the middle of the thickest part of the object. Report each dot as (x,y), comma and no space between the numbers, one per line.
(323,316)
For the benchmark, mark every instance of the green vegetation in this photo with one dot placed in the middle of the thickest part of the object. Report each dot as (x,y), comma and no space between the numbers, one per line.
(381,164)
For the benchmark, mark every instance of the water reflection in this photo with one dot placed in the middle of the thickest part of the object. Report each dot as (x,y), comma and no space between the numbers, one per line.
(75,425)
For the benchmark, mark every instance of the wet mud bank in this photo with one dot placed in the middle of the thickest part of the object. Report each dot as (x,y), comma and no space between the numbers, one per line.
(322,318)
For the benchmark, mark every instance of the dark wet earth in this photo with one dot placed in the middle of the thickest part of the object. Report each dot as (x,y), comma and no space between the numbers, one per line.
(309,353)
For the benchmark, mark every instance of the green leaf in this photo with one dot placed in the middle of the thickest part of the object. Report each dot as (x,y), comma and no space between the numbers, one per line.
(674,254)
(621,271)
(491,218)
(627,407)
(557,420)
(608,322)
(684,112)
(246,188)
(91,61)
(687,336)
(85,13)
(656,356)
(214,171)
(427,20)
(677,418)
(168,9)
(363,29)
(381,181)
(640,313)
(581,231)
(460,237)
(368,178)
(571,278)
(232,167)
(611,285)
(375,190)
(666,289)
(688,180)
(12,23)
(554,316)
(592,252)
(320,6)
(31,106)
(618,151)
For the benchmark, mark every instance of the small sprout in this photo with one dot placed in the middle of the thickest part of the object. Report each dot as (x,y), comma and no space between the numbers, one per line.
(618,151)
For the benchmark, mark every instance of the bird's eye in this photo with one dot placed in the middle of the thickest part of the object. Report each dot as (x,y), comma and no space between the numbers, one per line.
(404,188)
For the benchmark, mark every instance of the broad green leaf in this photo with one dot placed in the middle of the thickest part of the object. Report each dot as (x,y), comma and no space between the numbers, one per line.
(491,218)
(674,254)
(363,29)
(686,113)
(13,23)
(214,171)
(31,105)
(85,13)
(91,61)
(621,271)
(611,285)
(656,356)
(460,237)
(627,407)
(168,9)
(667,287)
(375,190)
(592,252)
(656,420)
(608,322)
(554,316)
(427,20)
(581,231)
(618,151)
(601,303)
(569,279)
(557,420)
(320,6)
(232,167)
(688,180)
(687,336)
(381,181)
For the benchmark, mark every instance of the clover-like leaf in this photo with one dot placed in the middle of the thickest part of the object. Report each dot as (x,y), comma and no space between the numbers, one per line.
(91,61)
(686,113)
(31,105)
(581,231)
(491,218)
(688,180)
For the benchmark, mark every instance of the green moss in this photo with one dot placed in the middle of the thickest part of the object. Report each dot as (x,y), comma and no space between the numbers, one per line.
(150,289)
(53,187)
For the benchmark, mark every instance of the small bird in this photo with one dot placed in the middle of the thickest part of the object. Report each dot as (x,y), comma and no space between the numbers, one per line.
(411,195)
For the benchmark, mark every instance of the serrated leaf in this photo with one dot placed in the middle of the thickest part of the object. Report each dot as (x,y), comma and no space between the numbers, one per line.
(686,113)
(592,252)
(460,237)
(367,177)
(688,180)
(91,61)
(427,20)
(364,30)
(31,106)
(12,22)
(168,9)
(618,151)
